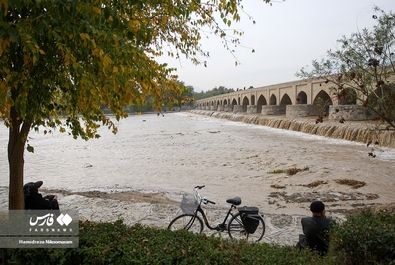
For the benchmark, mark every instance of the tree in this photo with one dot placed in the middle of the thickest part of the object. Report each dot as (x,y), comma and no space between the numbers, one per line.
(184,96)
(363,68)
(63,62)
(213,92)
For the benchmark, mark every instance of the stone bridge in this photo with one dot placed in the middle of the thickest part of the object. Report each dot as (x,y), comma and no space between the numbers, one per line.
(293,99)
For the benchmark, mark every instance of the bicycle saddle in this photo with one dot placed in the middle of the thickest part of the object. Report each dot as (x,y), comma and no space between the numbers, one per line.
(235,201)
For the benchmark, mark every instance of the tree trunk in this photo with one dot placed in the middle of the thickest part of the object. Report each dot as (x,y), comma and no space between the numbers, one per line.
(18,132)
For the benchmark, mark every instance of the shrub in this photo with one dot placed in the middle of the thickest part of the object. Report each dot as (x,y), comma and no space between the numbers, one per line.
(116,243)
(365,238)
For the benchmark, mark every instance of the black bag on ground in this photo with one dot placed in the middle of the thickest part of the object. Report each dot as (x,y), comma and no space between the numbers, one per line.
(250,218)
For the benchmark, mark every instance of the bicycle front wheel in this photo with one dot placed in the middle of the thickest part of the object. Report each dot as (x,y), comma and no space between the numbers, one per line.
(237,231)
(189,222)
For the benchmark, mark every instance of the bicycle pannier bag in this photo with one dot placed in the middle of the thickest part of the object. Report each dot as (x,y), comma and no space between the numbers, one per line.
(250,218)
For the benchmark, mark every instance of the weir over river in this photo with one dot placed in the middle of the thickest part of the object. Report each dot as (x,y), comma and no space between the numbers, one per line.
(140,173)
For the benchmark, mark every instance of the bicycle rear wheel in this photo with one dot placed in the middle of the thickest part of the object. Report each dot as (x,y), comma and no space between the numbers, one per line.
(237,231)
(189,222)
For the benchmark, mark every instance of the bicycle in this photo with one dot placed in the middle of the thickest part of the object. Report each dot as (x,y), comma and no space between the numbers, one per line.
(247,223)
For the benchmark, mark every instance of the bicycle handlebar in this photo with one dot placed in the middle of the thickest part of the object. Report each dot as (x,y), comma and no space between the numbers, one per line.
(210,201)
(199,197)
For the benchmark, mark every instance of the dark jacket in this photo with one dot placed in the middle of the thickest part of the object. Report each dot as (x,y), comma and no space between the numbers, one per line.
(35,201)
(316,230)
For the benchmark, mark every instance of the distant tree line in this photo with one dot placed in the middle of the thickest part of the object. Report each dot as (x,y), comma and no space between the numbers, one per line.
(211,93)
(170,99)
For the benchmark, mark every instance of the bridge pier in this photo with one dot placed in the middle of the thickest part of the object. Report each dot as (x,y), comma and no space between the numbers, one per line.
(239,108)
(350,113)
(273,110)
(228,108)
(302,110)
(220,108)
(252,109)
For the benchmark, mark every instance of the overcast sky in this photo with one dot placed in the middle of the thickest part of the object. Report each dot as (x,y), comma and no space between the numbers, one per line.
(287,36)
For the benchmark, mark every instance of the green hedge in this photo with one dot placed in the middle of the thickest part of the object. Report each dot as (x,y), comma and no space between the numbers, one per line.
(365,238)
(116,243)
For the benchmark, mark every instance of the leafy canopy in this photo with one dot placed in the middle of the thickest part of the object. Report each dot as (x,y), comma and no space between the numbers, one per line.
(70,58)
(363,67)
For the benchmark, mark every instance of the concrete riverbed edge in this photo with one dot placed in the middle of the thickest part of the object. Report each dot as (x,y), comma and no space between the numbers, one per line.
(363,132)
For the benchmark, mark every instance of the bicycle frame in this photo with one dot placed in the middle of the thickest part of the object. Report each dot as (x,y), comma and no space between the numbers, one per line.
(220,227)
(236,227)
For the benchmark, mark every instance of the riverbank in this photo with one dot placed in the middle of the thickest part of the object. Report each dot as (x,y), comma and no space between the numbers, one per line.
(358,131)
(141,173)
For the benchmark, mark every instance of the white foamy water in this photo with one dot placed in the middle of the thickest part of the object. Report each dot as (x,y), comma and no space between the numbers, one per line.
(383,153)
(171,154)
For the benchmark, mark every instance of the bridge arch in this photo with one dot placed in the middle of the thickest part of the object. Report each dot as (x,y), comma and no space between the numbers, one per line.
(347,96)
(225,102)
(374,96)
(323,101)
(260,103)
(246,102)
(285,100)
(273,100)
(301,98)
(252,99)
(234,102)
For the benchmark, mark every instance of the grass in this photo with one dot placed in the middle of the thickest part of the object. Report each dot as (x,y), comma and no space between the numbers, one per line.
(355,184)
(289,171)
(275,186)
(315,184)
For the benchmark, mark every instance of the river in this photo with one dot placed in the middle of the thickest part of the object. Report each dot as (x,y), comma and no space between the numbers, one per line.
(140,173)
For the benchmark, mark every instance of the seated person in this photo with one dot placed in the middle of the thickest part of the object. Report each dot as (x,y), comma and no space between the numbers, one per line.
(35,201)
(316,229)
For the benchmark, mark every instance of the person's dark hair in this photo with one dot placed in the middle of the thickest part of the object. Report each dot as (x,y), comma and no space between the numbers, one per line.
(32,187)
(317,206)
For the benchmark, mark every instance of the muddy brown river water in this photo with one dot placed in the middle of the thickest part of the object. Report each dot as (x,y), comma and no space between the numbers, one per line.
(140,174)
